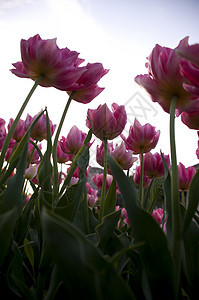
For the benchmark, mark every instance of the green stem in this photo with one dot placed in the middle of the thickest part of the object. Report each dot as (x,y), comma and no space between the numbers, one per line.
(103,194)
(14,124)
(176,229)
(141,187)
(54,149)
(183,198)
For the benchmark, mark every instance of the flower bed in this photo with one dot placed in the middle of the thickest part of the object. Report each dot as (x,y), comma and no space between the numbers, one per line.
(60,238)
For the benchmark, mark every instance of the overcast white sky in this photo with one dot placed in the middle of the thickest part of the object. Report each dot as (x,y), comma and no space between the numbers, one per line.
(118,33)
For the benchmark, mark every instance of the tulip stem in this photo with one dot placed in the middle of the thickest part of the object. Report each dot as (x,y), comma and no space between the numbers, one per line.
(176,229)
(54,149)
(103,194)
(14,124)
(141,187)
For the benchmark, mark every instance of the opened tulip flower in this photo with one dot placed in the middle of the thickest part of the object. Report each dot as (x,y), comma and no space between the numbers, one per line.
(19,131)
(191,116)
(137,176)
(74,141)
(62,157)
(39,131)
(58,67)
(164,79)
(153,164)
(86,88)
(141,138)
(190,68)
(185,176)
(123,156)
(106,124)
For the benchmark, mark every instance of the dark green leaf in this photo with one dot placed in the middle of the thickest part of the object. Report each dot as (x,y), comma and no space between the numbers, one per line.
(155,253)
(193,201)
(105,229)
(80,263)
(7,224)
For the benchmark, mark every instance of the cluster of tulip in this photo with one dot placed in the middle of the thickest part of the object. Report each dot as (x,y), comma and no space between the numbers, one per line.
(64,234)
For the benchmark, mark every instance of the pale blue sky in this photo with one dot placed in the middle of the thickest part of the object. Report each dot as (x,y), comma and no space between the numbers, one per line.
(120,34)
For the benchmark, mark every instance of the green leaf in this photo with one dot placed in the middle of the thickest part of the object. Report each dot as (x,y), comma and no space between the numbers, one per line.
(12,196)
(16,280)
(105,229)
(29,252)
(155,253)
(110,200)
(80,263)
(193,201)
(7,225)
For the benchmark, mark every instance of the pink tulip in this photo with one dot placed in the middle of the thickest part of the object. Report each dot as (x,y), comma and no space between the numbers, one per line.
(74,141)
(191,116)
(141,138)
(33,155)
(100,152)
(43,57)
(19,131)
(185,176)
(190,53)
(153,164)
(190,68)
(98,179)
(136,178)
(39,131)
(2,132)
(86,88)
(164,79)
(62,157)
(158,214)
(121,155)
(91,195)
(107,124)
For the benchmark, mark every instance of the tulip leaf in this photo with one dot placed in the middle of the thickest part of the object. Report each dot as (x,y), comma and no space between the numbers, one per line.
(145,229)
(193,201)
(80,263)
(110,200)
(12,196)
(105,229)
(7,225)
(16,280)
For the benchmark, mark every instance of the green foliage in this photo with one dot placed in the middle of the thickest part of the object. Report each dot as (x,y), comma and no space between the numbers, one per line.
(54,248)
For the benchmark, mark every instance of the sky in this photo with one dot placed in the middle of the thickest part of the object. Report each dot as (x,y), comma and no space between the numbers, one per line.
(118,33)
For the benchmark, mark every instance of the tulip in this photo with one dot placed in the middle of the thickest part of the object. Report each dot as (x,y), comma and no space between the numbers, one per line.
(190,68)
(59,67)
(98,180)
(164,79)
(153,164)
(185,176)
(106,124)
(190,52)
(2,132)
(20,130)
(91,195)
(31,172)
(33,155)
(121,155)
(141,138)
(86,88)
(160,216)
(137,175)
(62,157)
(73,142)
(100,152)
(39,131)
